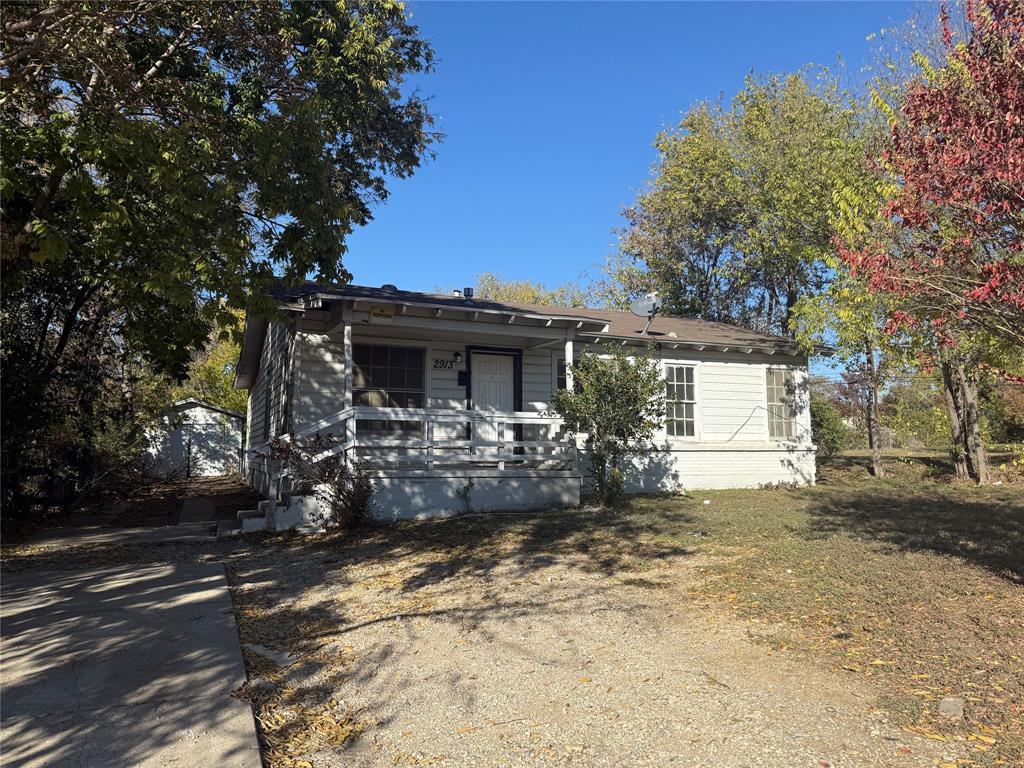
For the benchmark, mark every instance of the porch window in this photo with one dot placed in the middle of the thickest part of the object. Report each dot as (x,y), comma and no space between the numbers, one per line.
(781,414)
(387,377)
(680,401)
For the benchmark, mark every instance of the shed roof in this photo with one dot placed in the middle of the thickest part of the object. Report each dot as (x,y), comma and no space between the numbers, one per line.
(195,402)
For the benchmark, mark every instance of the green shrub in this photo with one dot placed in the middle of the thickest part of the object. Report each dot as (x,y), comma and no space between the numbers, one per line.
(617,401)
(831,434)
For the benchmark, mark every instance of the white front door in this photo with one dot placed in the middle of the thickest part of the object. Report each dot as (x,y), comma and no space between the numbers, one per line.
(493,389)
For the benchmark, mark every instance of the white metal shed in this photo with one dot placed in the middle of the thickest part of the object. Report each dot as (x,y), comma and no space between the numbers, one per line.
(196,439)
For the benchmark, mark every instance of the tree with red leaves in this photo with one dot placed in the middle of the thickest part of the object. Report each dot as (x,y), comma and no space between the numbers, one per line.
(957,153)
(954,264)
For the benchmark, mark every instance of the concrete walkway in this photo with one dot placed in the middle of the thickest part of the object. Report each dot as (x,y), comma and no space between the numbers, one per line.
(131,666)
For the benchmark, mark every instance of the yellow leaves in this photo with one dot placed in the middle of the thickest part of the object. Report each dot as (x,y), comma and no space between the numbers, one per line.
(586,680)
(466,729)
(928,734)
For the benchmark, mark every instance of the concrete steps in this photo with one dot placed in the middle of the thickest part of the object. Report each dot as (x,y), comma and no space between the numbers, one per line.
(296,515)
(252,520)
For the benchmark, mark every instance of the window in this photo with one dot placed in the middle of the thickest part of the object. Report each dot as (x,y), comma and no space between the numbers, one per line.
(680,401)
(387,377)
(781,414)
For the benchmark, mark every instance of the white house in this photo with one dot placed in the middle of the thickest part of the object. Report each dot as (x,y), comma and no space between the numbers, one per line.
(195,439)
(446,398)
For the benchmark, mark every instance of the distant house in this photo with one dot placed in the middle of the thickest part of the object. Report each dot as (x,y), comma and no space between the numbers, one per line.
(447,398)
(196,439)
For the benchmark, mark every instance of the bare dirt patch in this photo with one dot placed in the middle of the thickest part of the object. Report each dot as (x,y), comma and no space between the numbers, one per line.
(569,638)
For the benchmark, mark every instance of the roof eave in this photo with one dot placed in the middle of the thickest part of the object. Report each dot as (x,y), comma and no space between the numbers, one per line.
(712,346)
(579,321)
(248,366)
(206,404)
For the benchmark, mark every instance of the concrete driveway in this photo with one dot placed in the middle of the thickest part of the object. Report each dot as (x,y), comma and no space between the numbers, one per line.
(130,666)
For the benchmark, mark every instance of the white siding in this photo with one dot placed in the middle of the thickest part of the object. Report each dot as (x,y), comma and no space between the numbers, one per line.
(319,378)
(272,388)
(271,393)
(196,442)
(538,383)
(731,402)
(707,466)
(443,390)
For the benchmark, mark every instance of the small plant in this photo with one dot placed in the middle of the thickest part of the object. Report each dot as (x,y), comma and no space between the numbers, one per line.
(617,402)
(341,485)
(782,485)
(615,489)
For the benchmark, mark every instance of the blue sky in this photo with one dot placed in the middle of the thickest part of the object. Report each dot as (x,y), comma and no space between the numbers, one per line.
(549,111)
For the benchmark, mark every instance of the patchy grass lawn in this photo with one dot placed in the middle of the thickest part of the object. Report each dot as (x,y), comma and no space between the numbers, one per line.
(917,586)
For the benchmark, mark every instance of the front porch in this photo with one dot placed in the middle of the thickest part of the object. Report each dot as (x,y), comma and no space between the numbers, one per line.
(447,407)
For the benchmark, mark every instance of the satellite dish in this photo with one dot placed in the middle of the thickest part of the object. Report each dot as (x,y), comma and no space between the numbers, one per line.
(646,306)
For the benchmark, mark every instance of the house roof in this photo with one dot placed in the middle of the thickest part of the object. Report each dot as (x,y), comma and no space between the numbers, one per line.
(589,324)
(191,402)
(618,325)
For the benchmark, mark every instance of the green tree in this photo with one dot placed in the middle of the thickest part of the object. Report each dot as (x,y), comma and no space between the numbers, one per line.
(845,314)
(914,409)
(164,161)
(617,402)
(735,225)
(491,286)
(211,377)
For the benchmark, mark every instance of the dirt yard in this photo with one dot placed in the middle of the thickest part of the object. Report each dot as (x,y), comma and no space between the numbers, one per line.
(818,627)
(586,651)
(763,628)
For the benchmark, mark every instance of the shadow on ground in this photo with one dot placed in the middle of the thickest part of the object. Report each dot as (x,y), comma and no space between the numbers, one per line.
(122,666)
(418,556)
(984,527)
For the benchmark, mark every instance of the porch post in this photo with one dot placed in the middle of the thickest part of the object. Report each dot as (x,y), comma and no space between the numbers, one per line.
(346,316)
(568,362)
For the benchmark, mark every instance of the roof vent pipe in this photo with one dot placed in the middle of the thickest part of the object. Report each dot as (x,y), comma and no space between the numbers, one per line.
(389,288)
(457,292)
(467,292)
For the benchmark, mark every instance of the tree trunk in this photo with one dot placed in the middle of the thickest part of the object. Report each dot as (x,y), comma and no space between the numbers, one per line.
(871,411)
(956,427)
(969,456)
(792,297)
(977,460)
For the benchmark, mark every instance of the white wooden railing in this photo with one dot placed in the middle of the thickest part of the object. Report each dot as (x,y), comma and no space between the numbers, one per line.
(433,440)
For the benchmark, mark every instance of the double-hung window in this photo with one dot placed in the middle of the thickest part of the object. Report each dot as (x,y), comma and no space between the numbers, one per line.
(781,413)
(387,377)
(680,401)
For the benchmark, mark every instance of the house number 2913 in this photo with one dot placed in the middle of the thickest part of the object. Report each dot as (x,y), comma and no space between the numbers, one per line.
(444,364)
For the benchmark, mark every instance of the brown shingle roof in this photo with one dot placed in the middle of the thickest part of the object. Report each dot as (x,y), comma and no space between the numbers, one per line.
(621,325)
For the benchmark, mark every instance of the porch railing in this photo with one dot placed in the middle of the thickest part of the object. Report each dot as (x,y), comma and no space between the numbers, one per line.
(435,440)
